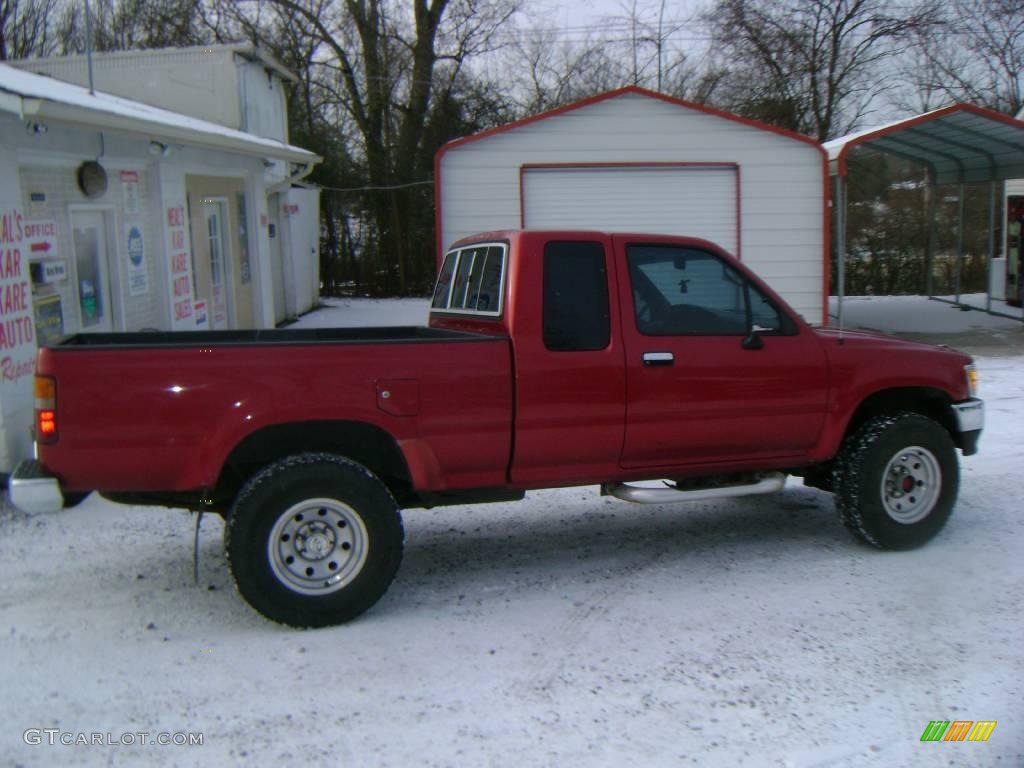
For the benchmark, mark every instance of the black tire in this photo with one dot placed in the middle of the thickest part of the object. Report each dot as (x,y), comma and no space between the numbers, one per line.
(337,522)
(895,480)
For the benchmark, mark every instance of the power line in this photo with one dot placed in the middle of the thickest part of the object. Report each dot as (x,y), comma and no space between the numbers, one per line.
(383,188)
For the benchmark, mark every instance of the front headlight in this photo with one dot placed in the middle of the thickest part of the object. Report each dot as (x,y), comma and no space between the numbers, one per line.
(972,379)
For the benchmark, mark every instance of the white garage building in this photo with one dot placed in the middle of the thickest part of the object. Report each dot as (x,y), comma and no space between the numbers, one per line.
(633,160)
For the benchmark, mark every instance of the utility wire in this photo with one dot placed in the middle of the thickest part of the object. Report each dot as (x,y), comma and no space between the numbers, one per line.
(379,188)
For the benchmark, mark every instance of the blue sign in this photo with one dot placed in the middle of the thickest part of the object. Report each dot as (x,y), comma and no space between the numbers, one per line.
(138,277)
(135,248)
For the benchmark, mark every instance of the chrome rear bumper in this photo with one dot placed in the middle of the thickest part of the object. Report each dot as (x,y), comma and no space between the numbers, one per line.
(32,490)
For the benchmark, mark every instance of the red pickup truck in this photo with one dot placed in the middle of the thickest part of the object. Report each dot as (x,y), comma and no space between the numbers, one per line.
(551,359)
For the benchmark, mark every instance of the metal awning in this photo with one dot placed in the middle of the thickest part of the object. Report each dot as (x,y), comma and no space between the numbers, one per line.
(960,144)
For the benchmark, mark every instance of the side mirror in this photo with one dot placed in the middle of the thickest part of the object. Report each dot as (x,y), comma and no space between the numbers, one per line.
(753,341)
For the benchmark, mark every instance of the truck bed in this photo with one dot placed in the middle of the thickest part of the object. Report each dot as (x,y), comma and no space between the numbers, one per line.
(163,411)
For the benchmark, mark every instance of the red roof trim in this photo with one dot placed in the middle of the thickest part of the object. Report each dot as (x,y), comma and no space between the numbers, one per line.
(629,89)
(912,122)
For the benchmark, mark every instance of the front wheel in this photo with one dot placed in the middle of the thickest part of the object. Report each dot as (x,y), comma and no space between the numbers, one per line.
(314,540)
(896,480)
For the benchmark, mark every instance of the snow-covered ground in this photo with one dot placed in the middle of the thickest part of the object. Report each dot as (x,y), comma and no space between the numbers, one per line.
(919,314)
(565,630)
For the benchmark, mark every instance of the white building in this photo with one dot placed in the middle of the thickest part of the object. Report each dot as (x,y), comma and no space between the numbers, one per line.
(636,161)
(238,86)
(120,216)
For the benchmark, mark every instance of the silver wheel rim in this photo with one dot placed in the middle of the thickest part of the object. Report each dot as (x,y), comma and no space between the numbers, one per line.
(318,546)
(911,485)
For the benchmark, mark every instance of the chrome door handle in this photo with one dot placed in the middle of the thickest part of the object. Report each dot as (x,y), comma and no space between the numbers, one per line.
(658,358)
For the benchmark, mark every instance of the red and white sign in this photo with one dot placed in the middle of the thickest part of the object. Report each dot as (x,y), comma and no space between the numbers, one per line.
(17,329)
(40,239)
(180,267)
(130,191)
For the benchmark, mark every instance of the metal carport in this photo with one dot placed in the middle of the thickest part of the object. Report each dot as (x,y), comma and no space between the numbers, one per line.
(959,144)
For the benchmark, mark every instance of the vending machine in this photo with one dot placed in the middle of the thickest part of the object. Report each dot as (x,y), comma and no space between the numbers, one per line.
(1014,245)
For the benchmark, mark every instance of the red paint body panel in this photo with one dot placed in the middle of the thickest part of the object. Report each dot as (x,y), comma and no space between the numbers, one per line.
(493,409)
(165,419)
(865,363)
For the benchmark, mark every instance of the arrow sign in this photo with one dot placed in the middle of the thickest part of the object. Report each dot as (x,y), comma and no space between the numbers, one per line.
(41,238)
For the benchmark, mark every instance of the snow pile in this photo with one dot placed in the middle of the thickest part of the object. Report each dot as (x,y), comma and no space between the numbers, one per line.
(351,313)
(916,314)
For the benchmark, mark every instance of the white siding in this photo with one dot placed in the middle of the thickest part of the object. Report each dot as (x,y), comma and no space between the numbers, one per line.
(303,232)
(191,81)
(264,102)
(781,179)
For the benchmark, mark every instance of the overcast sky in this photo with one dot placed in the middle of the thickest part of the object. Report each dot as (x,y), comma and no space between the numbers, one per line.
(577,18)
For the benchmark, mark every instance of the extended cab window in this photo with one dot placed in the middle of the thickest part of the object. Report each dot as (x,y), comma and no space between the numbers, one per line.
(576,314)
(686,291)
(471,280)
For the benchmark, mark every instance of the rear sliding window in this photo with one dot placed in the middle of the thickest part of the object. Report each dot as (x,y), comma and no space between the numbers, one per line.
(471,279)
(576,313)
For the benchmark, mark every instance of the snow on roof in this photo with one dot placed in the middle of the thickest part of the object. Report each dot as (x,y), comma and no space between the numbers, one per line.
(31,95)
(835,146)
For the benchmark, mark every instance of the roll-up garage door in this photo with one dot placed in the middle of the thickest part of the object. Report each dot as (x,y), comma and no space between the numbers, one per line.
(694,201)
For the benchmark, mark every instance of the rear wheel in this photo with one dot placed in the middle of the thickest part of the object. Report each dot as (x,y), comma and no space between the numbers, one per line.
(313,540)
(896,480)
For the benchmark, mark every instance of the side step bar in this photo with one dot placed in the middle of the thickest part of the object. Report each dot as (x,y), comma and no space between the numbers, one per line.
(770,482)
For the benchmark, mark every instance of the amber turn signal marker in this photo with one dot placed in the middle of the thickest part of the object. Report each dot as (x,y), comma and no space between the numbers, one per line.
(46,409)
(972,379)
(46,392)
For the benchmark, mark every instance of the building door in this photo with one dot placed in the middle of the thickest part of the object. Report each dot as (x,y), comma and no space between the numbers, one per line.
(92,262)
(277,261)
(220,270)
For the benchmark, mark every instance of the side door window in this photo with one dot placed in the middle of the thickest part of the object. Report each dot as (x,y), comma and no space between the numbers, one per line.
(680,291)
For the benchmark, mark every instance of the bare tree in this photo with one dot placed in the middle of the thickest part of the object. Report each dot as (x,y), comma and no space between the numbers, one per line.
(383,67)
(119,25)
(650,43)
(24,28)
(544,71)
(813,66)
(975,55)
